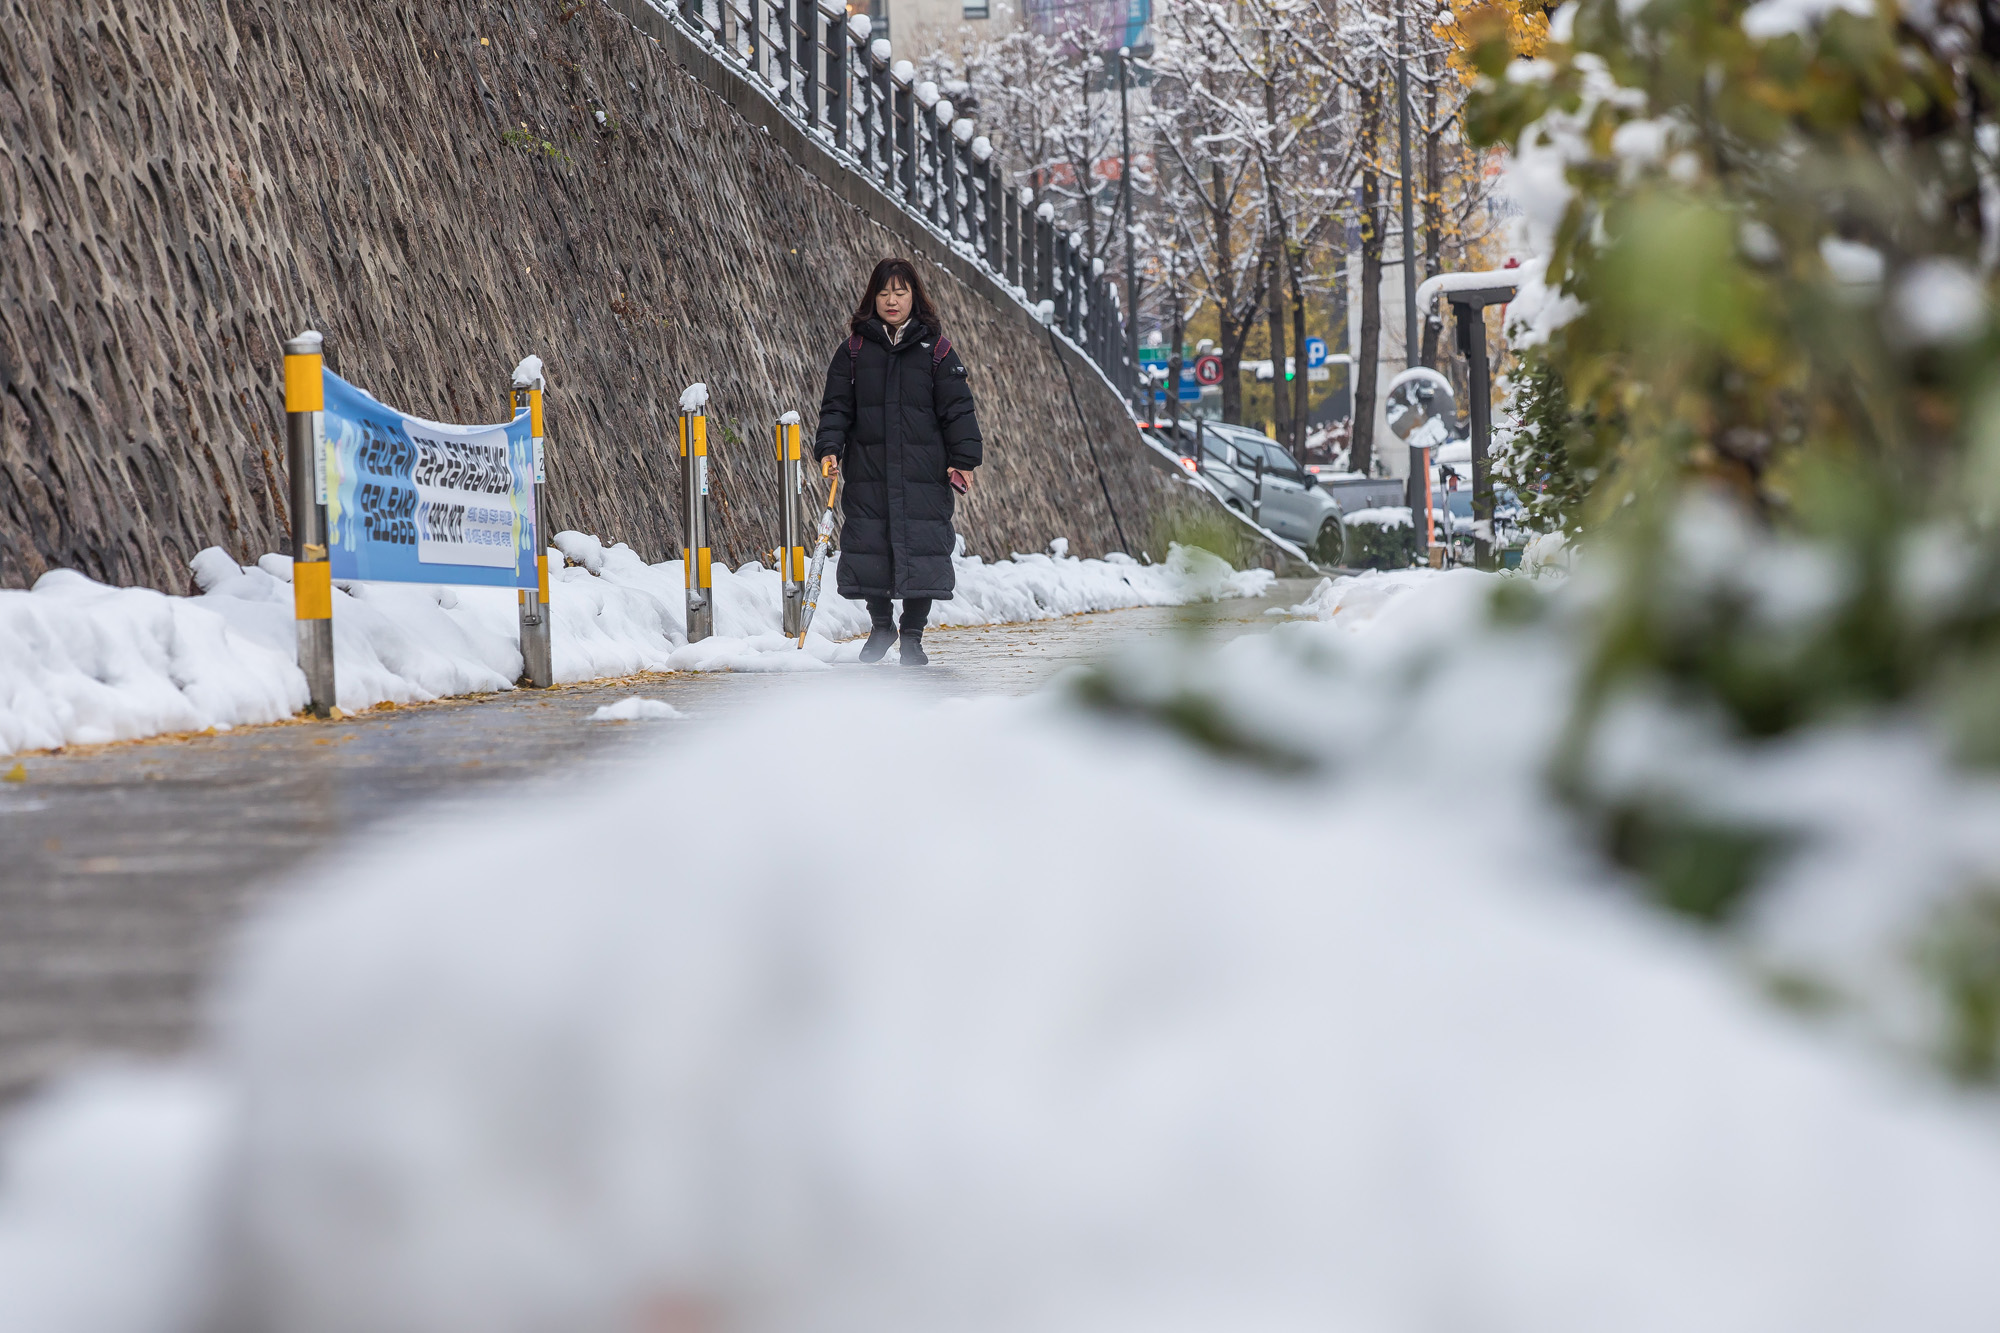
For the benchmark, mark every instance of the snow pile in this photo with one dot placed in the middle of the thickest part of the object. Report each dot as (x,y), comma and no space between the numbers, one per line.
(529,373)
(82,663)
(1357,600)
(112,1204)
(1385,516)
(636,709)
(1546,553)
(694,398)
(1096,1078)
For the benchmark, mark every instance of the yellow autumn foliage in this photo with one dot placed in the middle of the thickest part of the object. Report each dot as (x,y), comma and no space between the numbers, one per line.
(1523,24)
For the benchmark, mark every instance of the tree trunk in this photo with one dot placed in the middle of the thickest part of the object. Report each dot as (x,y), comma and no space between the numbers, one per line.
(1301,386)
(1228,337)
(1369,353)
(1281,404)
(1433,212)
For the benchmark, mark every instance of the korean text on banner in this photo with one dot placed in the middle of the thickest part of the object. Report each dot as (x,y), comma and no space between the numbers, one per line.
(415,501)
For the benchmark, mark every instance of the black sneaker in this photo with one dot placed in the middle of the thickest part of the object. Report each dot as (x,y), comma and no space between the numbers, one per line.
(878,643)
(913,649)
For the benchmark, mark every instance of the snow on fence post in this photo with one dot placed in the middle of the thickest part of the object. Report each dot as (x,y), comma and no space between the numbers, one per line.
(1045,253)
(791,549)
(781,15)
(305,461)
(1064,280)
(808,33)
(537,664)
(902,73)
(1016,205)
(946,164)
(989,203)
(694,513)
(836,73)
(963,182)
(1074,279)
(881,111)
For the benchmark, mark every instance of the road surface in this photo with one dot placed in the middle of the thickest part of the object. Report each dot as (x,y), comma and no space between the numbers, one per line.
(125,869)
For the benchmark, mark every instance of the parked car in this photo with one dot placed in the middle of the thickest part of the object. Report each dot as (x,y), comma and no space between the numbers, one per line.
(1292,504)
(1451,500)
(1354,491)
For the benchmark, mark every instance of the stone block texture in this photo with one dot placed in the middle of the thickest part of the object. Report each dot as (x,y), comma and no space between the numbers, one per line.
(185,183)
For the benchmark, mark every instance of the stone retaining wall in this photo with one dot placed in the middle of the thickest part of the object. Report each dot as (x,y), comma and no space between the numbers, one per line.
(185,183)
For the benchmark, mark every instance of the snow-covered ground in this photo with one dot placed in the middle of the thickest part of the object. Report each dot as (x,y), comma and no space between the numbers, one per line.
(82,663)
(1245,987)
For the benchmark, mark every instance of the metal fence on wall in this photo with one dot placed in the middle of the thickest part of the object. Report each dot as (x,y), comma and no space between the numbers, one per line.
(819,66)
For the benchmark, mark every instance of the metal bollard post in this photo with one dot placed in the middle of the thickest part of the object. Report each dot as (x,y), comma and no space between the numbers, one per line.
(1200,439)
(305,461)
(536,665)
(694,523)
(791,550)
(1257,490)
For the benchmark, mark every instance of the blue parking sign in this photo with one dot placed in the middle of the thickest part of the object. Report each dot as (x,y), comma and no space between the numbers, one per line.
(1315,352)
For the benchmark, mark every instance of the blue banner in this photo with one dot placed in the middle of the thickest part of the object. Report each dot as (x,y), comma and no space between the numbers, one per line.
(415,501)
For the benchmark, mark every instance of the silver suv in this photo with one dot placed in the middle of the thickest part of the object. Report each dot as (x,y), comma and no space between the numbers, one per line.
(1292,503)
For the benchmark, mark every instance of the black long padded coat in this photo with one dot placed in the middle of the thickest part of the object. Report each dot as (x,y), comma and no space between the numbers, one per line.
(896,417)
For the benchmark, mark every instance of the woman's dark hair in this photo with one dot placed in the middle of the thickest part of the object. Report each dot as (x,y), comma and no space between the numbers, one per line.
(886,272)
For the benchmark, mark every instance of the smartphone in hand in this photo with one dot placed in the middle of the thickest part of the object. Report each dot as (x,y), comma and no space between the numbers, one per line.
(958,481)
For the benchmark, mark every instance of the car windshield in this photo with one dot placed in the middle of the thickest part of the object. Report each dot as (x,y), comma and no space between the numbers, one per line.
(1251,445)
(1459,501)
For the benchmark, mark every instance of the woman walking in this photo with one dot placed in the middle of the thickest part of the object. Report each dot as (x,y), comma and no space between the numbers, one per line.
(897,423)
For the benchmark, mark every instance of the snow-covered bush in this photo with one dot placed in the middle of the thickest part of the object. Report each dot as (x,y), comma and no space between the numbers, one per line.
(1384,538)
(1762,355)
(1543,450)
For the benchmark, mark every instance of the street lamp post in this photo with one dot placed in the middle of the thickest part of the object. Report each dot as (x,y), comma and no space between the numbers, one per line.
(1411,344)
(1131,311)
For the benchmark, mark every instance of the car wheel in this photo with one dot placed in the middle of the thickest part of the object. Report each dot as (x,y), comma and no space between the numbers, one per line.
(1330,547)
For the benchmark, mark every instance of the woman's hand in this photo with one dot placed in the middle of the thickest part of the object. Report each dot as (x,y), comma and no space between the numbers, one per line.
(829,466)
(961,479)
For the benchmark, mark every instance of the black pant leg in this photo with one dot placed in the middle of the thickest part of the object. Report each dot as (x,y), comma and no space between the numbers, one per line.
(916,613)
(880,612)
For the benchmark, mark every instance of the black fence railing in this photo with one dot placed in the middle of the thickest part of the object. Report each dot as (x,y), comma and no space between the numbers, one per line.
(819,66)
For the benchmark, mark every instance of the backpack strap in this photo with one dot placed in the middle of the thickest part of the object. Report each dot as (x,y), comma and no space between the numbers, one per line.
(853,357)
(939,351)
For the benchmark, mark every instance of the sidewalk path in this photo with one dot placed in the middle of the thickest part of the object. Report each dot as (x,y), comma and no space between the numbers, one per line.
(124,868)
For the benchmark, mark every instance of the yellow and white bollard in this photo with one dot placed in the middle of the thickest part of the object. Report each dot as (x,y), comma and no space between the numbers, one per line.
(536,664)
(305,461)
(791,550)
(694,486)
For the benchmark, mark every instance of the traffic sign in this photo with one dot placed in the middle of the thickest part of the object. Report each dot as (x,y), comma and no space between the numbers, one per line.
(1208,369)
(1315,352)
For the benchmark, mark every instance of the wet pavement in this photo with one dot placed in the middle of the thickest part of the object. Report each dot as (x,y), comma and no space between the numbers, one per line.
(125,869)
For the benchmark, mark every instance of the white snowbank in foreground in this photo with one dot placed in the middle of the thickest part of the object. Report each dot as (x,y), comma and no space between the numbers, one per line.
(82,663)
(1067,1062)
(636,709)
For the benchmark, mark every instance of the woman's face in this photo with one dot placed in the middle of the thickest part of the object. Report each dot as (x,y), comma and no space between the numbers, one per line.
(893,302)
